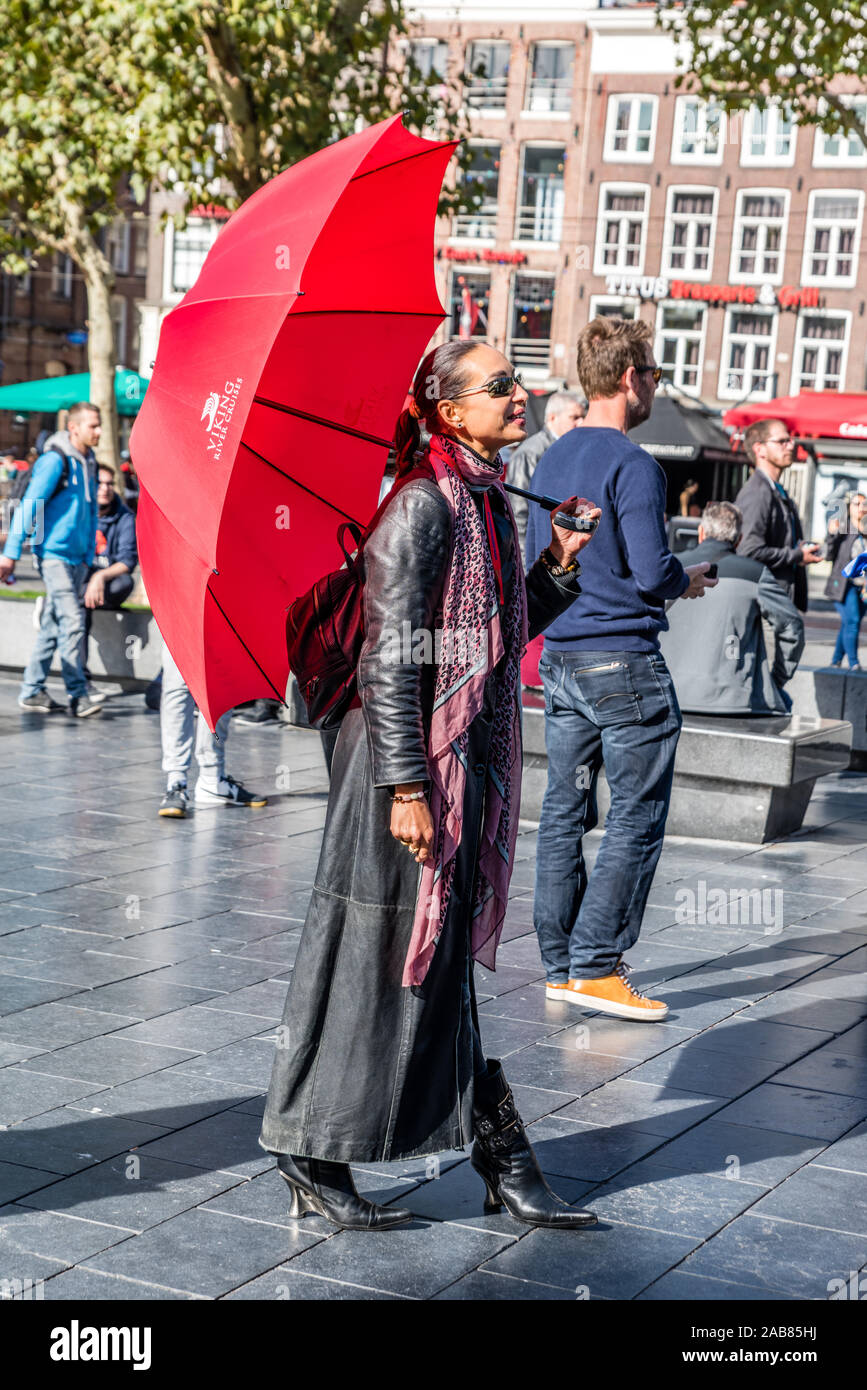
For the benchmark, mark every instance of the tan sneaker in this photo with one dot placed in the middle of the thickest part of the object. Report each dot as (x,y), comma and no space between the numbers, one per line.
(612,994)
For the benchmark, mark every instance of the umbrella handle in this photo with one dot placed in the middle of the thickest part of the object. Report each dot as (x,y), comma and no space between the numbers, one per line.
(357,534)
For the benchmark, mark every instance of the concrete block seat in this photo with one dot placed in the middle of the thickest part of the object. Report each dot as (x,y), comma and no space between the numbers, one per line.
(125,644)
(831,692)
(734,778)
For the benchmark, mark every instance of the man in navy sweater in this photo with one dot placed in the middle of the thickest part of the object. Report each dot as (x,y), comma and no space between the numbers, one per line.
(608,694)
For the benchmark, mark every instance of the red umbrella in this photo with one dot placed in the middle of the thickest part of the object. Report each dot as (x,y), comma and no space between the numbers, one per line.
(811,415)
(277,383)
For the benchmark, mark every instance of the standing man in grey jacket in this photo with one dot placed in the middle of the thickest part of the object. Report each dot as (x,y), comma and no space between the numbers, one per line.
(563,412)
(718,658)
(772,530)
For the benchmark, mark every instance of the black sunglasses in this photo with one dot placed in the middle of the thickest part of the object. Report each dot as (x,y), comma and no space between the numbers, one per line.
(500,386)
(657,372)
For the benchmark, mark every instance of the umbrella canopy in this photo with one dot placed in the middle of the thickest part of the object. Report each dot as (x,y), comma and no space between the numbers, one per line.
(60,392)
(811,415)
(277,384)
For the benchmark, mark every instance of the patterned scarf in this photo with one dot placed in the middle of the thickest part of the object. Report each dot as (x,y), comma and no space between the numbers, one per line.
(475,635)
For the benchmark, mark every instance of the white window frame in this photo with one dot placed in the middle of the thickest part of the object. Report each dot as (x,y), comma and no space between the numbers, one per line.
(483,273)
(531,112)
(832,281)
(684,335)
(119,327)
(61,275)
(494,112)
(688,272)
(532,371)
(169,291)
(823,160)
(629,155)
(519,240)
(678,154)
(599,266)
(459,238)
(614,301)
(117,246)
(800,340)
(775,112)
(728,393)
(430,43)
(741,277)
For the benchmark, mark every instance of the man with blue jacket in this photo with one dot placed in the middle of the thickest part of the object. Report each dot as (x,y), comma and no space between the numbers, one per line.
(608,695)
(59,511)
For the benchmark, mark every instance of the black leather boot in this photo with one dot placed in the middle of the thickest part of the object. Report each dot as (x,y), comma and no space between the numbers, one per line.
(503,1157)
(328,1189)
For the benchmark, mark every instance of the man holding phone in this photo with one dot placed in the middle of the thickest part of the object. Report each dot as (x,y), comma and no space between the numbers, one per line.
(772,530)
(608,694)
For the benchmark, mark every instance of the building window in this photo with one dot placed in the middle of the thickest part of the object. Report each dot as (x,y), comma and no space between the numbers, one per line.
(117,246)
(621,228)
(189,249)
(484,173)
(847,148)
(140,249)
(540,212)
(831,238)
(61,275)
(629,128)
(430,56)
(769,136)
(549,85)
(749,338)
(699,132)
(118,320)
(680,332)
(606,306)
(689,232)
(469,294)
(820,352)
(488,75)
(530,336)
(759,236)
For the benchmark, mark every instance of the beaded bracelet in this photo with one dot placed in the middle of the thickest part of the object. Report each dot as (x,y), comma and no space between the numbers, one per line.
(554,568)
(409,796)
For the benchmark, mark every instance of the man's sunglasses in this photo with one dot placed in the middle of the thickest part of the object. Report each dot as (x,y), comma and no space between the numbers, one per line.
(657,372)
(500,386)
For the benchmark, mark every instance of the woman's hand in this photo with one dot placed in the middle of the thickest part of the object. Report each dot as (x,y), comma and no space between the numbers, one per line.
(566,544)
(412,824)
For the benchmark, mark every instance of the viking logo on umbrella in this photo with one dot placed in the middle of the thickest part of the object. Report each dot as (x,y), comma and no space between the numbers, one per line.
(210,409)
(218,411)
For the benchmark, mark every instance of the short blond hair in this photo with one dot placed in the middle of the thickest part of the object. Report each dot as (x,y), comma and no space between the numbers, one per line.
(607,348)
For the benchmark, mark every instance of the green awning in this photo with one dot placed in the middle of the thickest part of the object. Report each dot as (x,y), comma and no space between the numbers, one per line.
(54,393)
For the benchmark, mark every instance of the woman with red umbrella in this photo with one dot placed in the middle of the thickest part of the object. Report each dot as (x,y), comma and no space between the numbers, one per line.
(379,1055)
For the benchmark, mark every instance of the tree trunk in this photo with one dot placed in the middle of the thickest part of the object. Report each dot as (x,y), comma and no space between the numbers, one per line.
(100,351)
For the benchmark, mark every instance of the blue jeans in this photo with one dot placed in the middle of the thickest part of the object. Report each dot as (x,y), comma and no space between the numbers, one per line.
(851,612)
(618,708)
(62,626)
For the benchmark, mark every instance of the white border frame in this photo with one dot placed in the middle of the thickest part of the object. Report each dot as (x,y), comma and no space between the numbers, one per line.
(804,314)
(726,393)
(835,282)
(688,273)
(527,114)
(859,161)
(692,160)
(751,161)
(658,332)
(517,240)
(616,300)
(612,156)
(535,373)
(739,277)
(457,268)
(599,268)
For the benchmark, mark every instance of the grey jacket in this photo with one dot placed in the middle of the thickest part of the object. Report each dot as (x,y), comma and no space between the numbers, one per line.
(772,533)
(519,472)
(715,646)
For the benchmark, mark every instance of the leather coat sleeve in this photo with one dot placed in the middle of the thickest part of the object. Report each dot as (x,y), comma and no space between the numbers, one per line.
(548,597)
(405,562)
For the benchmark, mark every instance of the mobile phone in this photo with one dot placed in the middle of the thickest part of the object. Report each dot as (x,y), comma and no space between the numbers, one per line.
(711,572)
(575,523)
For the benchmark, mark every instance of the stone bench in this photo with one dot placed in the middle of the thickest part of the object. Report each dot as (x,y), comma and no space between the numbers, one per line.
(734,779)
(828,692)
(125,645)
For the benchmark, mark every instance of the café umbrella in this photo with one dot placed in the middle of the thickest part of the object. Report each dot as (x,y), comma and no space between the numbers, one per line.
(277,384)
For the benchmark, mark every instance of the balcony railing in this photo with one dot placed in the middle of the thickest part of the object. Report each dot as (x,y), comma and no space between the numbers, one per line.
(535,223)
(530,353)
(549,94)
(487,92)
(478,226)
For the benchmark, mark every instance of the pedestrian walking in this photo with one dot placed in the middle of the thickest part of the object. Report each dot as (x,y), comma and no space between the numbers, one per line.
(379,1055)
(59,511)
(180,724)
(772,530)
(608,694)
(842,545)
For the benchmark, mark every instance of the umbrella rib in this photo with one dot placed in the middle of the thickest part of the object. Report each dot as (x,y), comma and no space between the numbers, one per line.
(406,159)
(280,697)
(323,500)
(318,420)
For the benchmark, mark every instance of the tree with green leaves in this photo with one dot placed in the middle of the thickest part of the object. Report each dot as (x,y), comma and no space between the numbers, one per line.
(102,99)
(752,51)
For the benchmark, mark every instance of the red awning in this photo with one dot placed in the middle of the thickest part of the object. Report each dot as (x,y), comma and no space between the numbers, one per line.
(810,415)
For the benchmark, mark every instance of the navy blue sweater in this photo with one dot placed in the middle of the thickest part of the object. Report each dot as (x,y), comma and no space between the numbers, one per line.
(627,570)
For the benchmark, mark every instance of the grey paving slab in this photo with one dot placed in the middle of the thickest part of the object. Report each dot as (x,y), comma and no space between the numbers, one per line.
(84,1285)
(248,1061)
(528,1003)
(75,1132)
(16,1180)
(264,1000)
(797,1110)
(52,1234)
(848,1153)
(651,1194)
(109,1060)
(147,996)
(572,1070)
(25,1093)
(58,1024)
(836,984)
(482,1286)
(680,1286)
(818,1196)
(828,1071)
(17,994)
(10,1052)
(416,1260)
(227,1140)
(572,1149)
(609,1260)
(220,973)
(784,1256)
(652,1107)
(708,1073)
(763,1157)
(614,1037)
(208,1252)
(689,1007)
(745,1036)
(458,1194)
(83,968)
(196,1029)
(111,1192)
(166,1099)
(801,1010)
(285,1284)
(28,1276)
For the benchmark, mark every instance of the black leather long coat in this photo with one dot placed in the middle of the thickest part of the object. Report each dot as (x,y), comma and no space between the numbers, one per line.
(365,1069)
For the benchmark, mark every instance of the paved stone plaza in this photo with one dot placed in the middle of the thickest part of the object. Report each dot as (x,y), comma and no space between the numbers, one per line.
(143,969)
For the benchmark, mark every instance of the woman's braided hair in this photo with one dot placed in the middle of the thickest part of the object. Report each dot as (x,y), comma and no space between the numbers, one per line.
(439,378)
